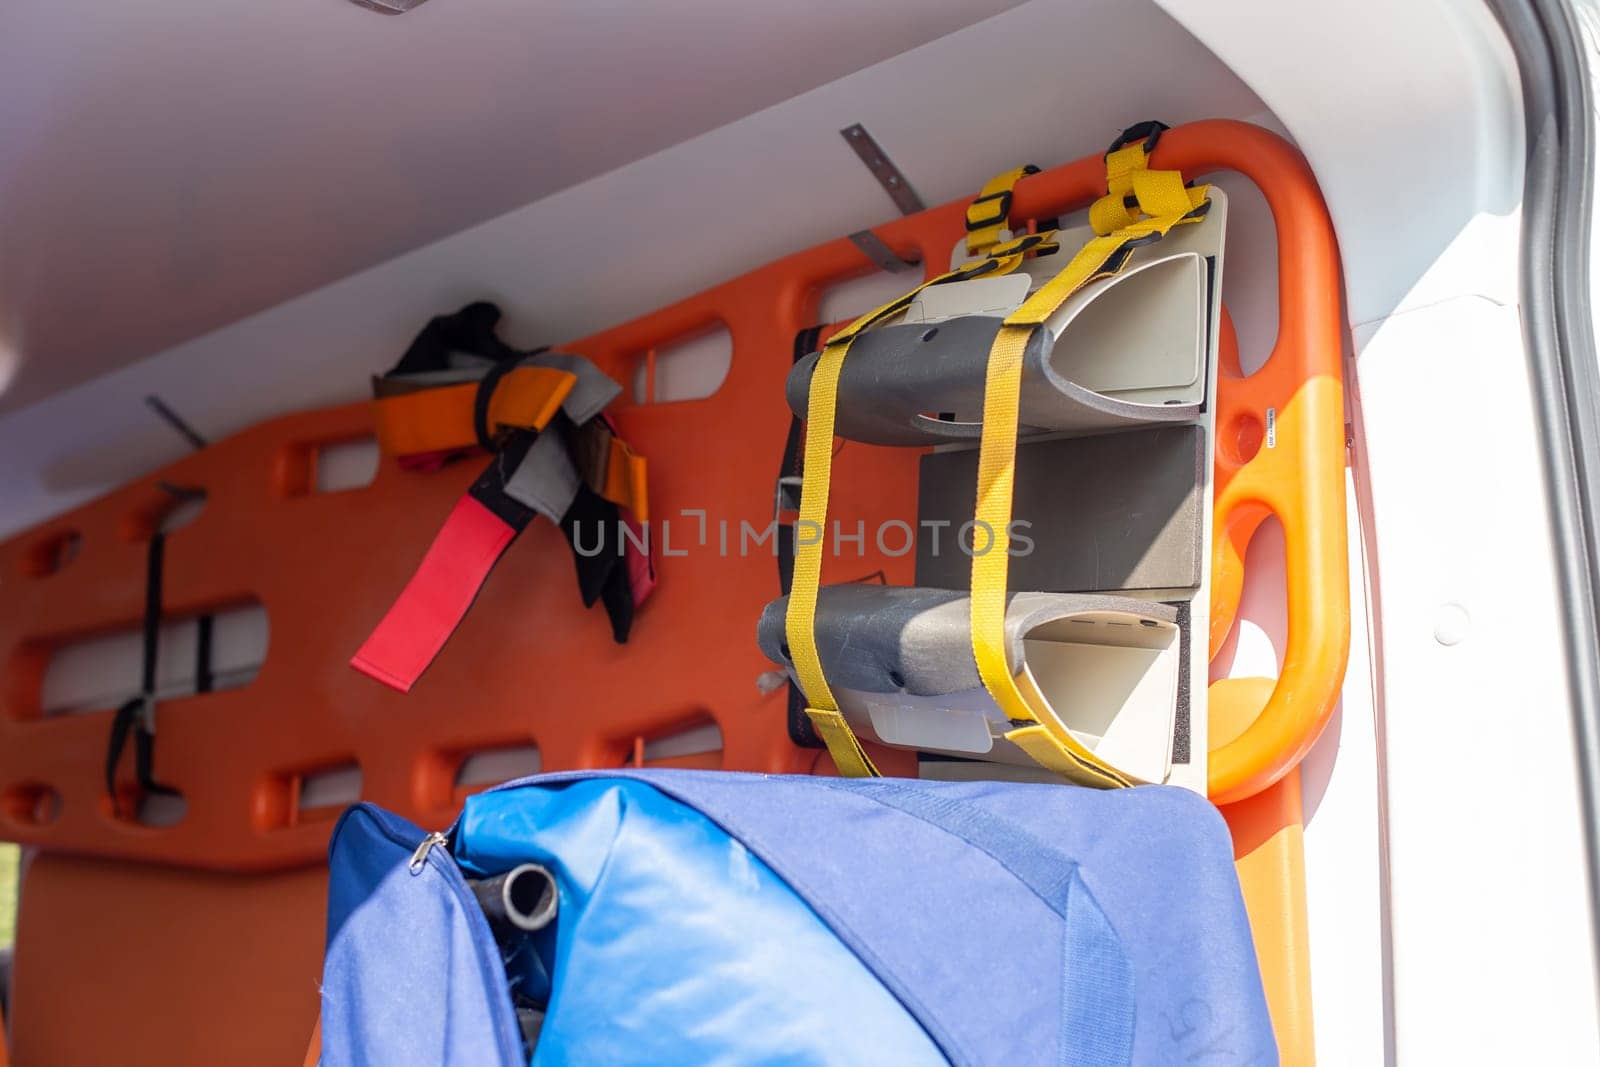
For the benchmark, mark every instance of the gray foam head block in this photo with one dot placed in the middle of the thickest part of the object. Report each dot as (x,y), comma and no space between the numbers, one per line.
(1117,511)
(897,380)
(884,639)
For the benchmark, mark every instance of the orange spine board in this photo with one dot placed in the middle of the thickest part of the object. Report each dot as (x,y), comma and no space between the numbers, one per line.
(528,664)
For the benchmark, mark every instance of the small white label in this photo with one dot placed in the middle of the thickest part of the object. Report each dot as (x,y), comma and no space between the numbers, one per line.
(1272,427)
(917,722)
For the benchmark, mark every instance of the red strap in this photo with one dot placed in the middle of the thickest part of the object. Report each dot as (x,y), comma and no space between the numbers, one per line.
(433,602)
(641,569)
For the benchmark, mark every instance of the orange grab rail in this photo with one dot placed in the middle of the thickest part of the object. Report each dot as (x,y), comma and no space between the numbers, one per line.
(529,665)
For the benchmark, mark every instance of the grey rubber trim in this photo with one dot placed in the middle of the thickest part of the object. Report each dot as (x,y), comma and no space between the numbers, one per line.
(1558,332)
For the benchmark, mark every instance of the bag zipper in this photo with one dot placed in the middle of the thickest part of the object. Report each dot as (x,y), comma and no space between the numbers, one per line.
(420,856)
(507,1033)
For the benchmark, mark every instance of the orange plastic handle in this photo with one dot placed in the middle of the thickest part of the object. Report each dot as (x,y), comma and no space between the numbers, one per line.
(1281,451)
(1294,470)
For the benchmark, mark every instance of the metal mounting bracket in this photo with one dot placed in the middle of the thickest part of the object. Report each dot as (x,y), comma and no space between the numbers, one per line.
(882,167)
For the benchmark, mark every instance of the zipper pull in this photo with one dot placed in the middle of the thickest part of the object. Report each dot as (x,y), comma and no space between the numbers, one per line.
(420,856)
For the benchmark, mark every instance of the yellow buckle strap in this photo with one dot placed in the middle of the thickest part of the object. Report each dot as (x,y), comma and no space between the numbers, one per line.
(996,469)
(843,744)
(1049,745)
(810,525)
(989,214)
(1133,189)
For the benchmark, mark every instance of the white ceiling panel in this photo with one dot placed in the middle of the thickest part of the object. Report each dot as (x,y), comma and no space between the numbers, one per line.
(169,166)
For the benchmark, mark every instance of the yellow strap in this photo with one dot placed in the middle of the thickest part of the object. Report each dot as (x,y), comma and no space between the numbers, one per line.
(989,215)
(1111,212)
(1102,256)
(811,524)
(1122,164)
(843,744)
(1162,194)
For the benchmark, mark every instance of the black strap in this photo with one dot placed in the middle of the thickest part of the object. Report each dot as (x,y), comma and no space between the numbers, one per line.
(489,488)
(136,714)
(594,525)
(617,596)
(121,723)
(470,330)
(155,566)
(487,439)
(590,526)
(805,342)
(204,680)
(1149,131)
(786,497)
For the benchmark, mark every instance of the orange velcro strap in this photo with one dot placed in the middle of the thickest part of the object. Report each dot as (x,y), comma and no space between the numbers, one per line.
(432,420)
(625,483)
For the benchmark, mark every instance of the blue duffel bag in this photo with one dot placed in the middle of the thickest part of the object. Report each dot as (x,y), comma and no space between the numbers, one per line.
(719,918)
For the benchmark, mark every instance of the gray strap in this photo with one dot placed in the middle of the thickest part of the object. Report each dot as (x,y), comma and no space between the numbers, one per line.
(545,480)
(592,391)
